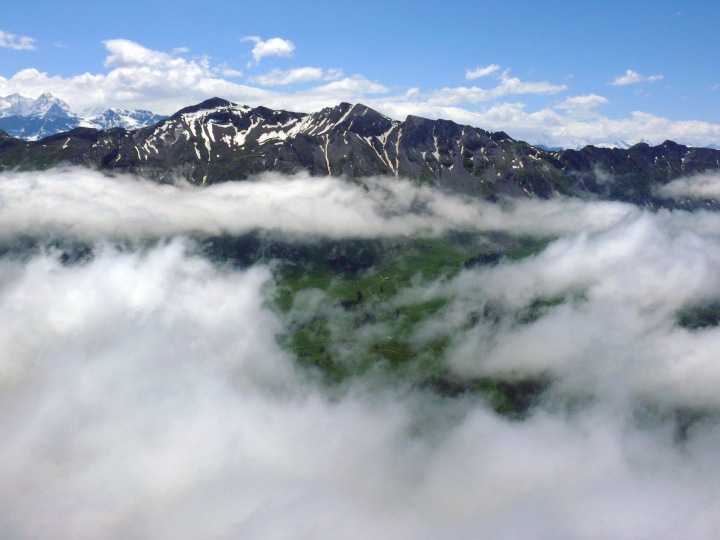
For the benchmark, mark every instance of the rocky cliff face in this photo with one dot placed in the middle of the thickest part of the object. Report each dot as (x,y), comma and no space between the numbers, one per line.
(218,141)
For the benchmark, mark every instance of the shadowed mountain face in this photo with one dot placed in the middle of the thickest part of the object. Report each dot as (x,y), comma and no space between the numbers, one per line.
(217,141)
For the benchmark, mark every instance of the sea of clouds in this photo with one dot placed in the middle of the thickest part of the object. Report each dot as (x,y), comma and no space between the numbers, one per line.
(143,393)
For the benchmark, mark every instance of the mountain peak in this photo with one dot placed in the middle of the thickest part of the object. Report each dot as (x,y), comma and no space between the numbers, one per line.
(357,117)
(46,105)
(121,118)
(208,104)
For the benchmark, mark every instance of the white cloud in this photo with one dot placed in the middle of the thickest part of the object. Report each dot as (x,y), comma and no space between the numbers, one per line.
(481,71)
(143,393)
(706,186)
(507,86)
(19,43)
(355,84)
(228,72)
(630,77)
(352,89)
(582,106)
(589,101)
(277,77)
(553,128)
(412,93)
(633,77)
(95,206)
(138,77)
(271,47)
(125,53)
(620,332)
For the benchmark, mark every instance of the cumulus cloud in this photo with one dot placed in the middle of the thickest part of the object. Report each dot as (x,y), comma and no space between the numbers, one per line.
(126,53)
(143,392)
(633,77)
(277,77)
(507,86)
(138,77)
(586,102)
(19,43)
(271,47)
(481,71)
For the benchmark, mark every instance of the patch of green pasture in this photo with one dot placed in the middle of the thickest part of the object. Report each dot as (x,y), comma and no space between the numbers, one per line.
(362,322)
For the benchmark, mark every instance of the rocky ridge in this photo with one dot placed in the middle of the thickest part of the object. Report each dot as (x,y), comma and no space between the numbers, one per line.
(218,141)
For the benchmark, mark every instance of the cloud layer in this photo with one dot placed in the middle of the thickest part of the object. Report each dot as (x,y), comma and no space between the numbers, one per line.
(90,205)
(616,330)
(704,186)
(143,392)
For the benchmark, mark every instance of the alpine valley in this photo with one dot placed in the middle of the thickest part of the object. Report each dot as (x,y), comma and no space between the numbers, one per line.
(363,275)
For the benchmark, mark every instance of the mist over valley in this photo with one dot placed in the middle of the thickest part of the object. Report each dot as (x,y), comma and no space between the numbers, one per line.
(315,357)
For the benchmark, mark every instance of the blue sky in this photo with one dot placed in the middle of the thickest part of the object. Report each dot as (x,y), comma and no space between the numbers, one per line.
(550,70)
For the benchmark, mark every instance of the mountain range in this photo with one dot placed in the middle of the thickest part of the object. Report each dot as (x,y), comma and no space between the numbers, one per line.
(34,119)
(217,141)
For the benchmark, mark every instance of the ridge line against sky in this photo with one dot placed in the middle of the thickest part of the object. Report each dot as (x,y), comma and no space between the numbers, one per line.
(560,74)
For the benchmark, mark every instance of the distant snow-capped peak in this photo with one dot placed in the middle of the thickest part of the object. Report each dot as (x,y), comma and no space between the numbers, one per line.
(33,119)
(45,105)
(122,118)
